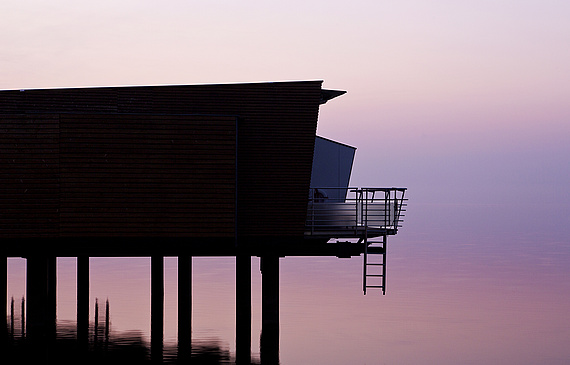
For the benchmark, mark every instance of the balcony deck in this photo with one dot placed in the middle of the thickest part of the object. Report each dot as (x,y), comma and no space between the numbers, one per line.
(364,213)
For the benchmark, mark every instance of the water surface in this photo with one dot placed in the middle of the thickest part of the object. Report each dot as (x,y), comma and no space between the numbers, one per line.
(456,293)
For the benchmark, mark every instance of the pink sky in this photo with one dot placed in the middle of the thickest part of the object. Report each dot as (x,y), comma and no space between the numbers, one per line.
(463,102)
(466,103)
(441,94)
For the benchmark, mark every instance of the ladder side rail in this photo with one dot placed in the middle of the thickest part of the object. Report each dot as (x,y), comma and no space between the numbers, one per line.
(385,243)
(365,263)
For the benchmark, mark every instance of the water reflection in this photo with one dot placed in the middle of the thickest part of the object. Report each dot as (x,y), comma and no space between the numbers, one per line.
(62,342)
(129,347)
(469,301)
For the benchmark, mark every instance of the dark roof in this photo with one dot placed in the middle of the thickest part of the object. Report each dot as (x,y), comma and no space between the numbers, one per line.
(327,95)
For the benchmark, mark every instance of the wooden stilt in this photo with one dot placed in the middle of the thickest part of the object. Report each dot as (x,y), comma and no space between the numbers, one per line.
(83,301)
(3,288)
(243,308)
(157,308)
(269,342)
(37,326)
(184,306)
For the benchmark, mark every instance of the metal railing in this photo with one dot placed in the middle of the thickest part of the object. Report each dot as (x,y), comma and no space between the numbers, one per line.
(351,212)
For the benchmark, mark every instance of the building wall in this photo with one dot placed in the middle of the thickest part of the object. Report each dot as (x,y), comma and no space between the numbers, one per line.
(147,175)
(158,161)
(29,175)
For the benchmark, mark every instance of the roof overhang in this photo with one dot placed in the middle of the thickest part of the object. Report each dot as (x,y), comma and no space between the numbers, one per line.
(327,95)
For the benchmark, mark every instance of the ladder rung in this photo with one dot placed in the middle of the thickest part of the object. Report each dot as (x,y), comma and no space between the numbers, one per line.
(375,250)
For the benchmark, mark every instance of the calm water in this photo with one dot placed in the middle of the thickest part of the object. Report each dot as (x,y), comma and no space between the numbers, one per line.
(495,292)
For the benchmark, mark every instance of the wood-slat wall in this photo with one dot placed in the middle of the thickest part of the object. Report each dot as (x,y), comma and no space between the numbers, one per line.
(29,175)
(276,132)
(147,175)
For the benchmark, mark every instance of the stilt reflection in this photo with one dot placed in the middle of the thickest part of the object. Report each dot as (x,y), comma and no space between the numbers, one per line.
(129,347)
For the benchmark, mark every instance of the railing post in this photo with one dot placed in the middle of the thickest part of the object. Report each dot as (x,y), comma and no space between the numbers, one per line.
(387,209)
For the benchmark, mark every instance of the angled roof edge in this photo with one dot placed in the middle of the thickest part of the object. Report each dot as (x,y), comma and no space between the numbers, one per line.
(327,95)
(166,85)
(339,143)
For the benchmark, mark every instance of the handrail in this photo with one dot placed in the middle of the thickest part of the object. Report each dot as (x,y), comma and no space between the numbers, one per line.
(352,211)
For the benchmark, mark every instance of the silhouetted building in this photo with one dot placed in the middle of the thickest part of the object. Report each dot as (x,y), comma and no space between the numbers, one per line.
(209,165)
(199,170)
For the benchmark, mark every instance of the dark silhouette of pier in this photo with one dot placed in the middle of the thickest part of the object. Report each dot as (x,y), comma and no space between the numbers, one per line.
(38,325)
(111,347)
(200,170)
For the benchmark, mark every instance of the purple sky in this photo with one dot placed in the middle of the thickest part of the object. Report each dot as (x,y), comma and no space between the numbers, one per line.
(466,103)
(463,102)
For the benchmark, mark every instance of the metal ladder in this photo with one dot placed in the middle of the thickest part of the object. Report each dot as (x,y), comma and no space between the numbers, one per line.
(375,270)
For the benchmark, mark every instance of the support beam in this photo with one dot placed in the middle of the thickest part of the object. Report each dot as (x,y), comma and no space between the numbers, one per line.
(40,329)
(36,293)
(4,298)
(184,307)
(83,301)
(243,308)
(269,342)
(52,294)
(156,307)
